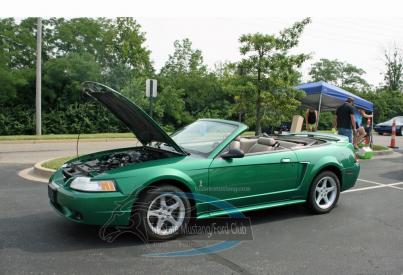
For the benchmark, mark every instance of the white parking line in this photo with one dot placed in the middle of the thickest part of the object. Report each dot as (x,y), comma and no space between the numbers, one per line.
(392,185)
(362,189)
(370,181)
(378,185)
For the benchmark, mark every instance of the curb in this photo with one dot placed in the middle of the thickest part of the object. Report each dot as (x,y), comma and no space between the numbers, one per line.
(383,152)
(41,171)
(37,172)
(29,174)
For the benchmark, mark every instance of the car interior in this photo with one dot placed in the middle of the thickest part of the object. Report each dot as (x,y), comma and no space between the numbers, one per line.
(252,145)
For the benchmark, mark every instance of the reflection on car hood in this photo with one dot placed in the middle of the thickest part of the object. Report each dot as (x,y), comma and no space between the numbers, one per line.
(139,122)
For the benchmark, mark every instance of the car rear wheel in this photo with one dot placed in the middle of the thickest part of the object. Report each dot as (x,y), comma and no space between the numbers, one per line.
(163,212)
(324,192)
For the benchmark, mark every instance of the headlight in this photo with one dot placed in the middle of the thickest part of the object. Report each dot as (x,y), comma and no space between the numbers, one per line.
(86,184)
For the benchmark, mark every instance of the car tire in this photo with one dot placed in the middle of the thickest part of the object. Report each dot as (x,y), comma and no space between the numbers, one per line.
(162,212)
(401,131)
(324,192)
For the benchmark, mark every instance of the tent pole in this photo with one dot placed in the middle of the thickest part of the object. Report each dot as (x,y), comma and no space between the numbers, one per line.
(320,105)
(371,141)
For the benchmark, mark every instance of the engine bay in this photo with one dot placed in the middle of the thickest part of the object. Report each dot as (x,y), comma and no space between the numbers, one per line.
(111,161)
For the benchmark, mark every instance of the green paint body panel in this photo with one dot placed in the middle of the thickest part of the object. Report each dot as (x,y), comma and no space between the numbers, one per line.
(255,181)
(250,183)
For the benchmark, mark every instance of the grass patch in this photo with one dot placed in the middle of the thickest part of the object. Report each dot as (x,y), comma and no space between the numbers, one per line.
(56,163)
(67,136)
(376,147)
(326,131)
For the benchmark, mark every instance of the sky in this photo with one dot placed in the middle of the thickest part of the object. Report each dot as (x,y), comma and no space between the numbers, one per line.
(359,41)
(354,31)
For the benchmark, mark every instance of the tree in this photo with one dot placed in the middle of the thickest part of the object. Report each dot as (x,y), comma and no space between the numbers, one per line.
(62,78)
(74,50)
(17,58)
(271,69)
(184,60)
(394,70)
(117,45)
(196,91)
(387,104)
(341,74)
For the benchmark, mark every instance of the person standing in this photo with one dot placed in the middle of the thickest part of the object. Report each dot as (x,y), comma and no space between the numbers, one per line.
(311,119)
(345,120)
(359,113)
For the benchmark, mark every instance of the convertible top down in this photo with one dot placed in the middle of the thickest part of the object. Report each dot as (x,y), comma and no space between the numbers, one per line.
(155,185)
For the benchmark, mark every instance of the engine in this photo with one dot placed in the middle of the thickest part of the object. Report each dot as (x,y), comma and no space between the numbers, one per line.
(111,161)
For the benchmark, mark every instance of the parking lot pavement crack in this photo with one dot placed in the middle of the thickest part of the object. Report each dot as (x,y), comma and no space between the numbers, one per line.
(387,224)
(221,260)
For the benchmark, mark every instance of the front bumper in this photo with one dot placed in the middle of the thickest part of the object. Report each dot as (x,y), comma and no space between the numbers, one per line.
(99,208)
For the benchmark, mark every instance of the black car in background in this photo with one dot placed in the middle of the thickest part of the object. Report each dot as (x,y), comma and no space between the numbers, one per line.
(386,127)
(272,130)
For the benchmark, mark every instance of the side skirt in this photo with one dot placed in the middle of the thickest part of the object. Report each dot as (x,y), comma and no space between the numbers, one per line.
(249,208)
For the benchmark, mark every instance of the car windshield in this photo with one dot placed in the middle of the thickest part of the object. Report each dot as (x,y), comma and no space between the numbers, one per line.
(203,136)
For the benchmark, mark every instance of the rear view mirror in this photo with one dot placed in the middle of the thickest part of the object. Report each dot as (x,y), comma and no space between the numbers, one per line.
(233,153)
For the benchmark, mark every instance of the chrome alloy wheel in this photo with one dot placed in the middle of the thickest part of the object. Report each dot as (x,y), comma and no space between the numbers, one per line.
(325,192)
(165,214)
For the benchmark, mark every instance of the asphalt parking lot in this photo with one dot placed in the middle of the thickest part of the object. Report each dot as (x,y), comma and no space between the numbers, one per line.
(362,235)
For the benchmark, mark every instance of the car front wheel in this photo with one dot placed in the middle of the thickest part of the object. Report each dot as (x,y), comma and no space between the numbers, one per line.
(163,212)
(324,192)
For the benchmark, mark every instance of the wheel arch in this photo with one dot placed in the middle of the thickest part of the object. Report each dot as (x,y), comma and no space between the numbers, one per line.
(332,168)
(329,163)
(174,182)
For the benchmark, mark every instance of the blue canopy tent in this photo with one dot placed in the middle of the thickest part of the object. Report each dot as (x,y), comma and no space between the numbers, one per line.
(327,97)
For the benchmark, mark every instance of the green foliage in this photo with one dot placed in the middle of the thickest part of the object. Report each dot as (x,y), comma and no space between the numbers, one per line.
(257,90)
(272,70)
(326,120)
(74,50)
(188,89)
(63,76)
(341,74)
(394,70)
(74,118)
(387,104)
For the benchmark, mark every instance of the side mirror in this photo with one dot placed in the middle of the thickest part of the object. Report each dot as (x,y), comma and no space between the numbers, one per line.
(233,153)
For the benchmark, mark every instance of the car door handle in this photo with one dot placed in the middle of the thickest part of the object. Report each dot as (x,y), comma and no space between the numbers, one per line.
(285,160)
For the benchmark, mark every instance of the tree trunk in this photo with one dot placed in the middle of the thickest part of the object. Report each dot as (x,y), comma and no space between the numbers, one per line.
(258,130)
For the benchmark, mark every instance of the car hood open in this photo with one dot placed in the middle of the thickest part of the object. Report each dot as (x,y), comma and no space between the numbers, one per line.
(139,122)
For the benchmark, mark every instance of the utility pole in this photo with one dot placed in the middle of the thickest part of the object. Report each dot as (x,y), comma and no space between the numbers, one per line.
(38,101)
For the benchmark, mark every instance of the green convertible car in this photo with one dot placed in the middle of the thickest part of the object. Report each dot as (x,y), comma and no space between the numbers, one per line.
(162,180)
